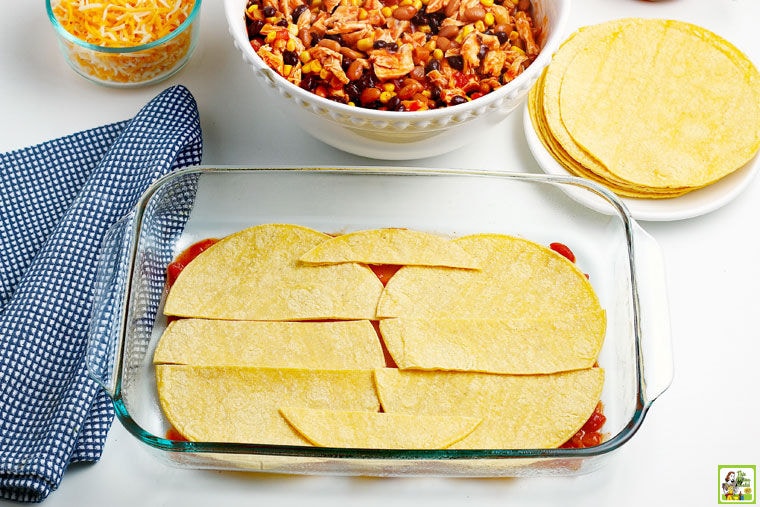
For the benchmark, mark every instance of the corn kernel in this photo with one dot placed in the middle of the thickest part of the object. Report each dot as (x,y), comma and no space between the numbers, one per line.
(252,8)
(365,44)
(363,14)
(386,96)
(464,32)
(427,93)
(489,19)
(480,26)
(324,73)
(406,2)
(486,3)
(305,57)
(271,36)
(290,45)
(386,11)
(437,54)
(424,28)
(389,87)
(286,69)
(417,4)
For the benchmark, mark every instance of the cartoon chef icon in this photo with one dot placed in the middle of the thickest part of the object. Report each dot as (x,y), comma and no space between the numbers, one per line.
(729,485)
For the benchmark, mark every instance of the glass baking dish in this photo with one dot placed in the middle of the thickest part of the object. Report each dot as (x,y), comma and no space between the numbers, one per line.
(623,262)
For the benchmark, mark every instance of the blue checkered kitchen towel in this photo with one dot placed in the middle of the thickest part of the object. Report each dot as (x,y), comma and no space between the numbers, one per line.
(57,200)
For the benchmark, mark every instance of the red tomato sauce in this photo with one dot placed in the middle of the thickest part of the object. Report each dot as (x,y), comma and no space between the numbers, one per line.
(173,434)
(384,271)
(185,257)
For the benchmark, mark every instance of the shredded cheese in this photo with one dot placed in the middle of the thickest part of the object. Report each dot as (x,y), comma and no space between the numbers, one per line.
(125,24)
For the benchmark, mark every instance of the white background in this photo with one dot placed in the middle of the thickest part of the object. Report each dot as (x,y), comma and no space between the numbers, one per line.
(706,418)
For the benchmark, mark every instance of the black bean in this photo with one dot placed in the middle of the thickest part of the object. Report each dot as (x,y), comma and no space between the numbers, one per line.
(269,11)
(432,65)
(482,52)
(457,99)
(353,91)
(502,36)
(283,23)
(456,61)
(289,57)
(254,27)
(309,82)
(297,12)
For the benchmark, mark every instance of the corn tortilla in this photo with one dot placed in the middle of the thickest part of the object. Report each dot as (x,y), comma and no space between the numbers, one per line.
(240,404)
(518,346)
(318,345)
(255,274)
(518,279)
(670,104)
(376,430)
(518,411)
(390,246)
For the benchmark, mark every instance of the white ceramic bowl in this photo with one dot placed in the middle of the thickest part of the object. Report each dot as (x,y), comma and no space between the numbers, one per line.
(395,135)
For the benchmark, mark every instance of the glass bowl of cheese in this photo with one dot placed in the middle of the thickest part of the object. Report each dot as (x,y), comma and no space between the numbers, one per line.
(126,43)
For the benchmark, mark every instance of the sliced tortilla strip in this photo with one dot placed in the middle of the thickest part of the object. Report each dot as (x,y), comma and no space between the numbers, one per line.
(391,246)
(255,274)
(375,430)
(519,346)
(319,345)
(518,411)
(240,404)
(518,279)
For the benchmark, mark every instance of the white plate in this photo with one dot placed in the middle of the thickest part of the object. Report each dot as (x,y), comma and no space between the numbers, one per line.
(695,203)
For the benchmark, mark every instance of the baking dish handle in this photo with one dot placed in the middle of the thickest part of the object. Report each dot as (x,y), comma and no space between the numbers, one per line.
(104,336)
(656,347)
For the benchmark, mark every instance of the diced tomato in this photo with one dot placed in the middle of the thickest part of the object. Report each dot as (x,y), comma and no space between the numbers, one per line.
(590,434)
(563,250)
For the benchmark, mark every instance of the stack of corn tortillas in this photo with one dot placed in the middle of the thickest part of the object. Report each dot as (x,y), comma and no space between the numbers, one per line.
(493,339)
(650,108)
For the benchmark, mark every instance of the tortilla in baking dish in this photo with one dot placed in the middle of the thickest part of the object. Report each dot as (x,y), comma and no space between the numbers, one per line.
(241,404)
(255,274)
(518,411)
(391,246)
(318,344)
(518,279)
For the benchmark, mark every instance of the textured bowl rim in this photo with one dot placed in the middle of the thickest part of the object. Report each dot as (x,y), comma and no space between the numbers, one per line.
(552,42)
(125,49)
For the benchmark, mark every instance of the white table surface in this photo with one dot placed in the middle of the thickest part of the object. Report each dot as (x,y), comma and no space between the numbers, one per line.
(706,417)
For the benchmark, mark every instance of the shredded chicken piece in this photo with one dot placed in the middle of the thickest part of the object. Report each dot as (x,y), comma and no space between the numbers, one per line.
(524,28)
(389,65)
(330,60)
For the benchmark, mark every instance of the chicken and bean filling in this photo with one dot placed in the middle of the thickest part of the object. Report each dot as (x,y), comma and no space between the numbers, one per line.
(397,55)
